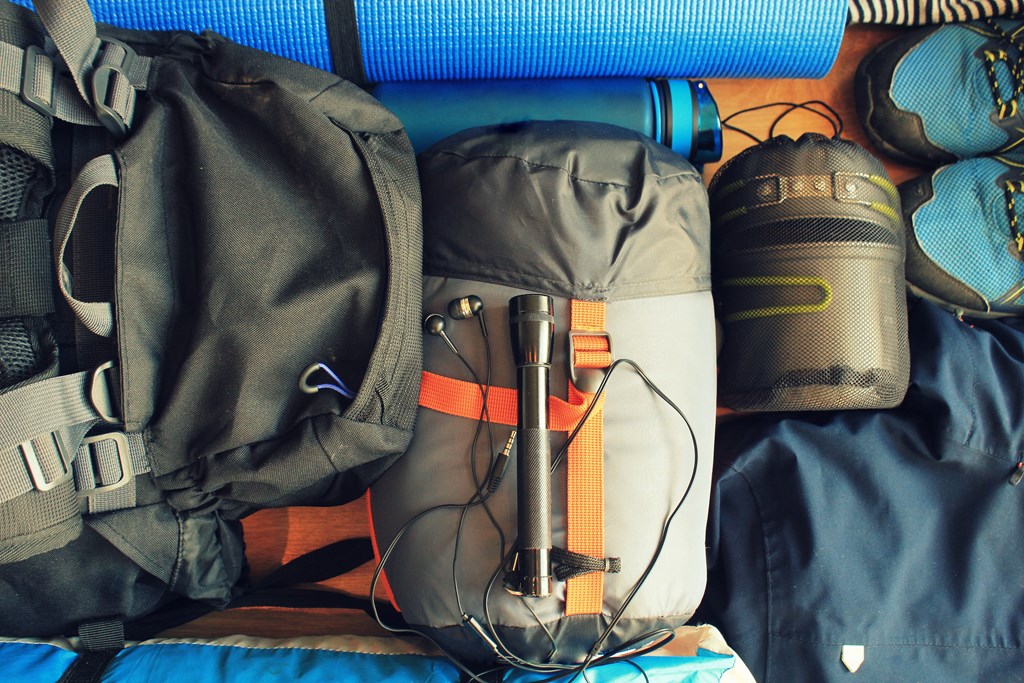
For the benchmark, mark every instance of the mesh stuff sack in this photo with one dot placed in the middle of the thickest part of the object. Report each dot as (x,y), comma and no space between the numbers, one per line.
(808,261)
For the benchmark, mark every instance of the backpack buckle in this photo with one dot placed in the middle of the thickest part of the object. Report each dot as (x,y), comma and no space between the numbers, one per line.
(588,378)
(114,61)
(35,465)
(34,58)
(103,393)
(124,458)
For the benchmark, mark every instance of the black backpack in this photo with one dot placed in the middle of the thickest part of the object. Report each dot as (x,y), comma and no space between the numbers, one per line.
(231,325)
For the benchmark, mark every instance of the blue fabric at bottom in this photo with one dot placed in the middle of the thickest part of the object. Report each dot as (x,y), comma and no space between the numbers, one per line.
(215,663)
(33,662)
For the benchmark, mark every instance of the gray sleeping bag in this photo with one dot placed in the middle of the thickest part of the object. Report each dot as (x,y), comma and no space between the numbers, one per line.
(580,212)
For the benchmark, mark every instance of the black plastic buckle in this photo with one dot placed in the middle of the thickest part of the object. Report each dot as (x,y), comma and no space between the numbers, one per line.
(124,458)
(586,379)
(103,76)
(35,467)
(34,56)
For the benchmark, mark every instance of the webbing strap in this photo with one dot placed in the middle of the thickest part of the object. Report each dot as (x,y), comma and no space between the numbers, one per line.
(106,72)
(585,457)
(26,280)
(32,75)
(89,667)
(592,352)
(72,27)
(585,465)
(97,317)
(101,642)
(105,469)
(42,427)
(462,399)
(343,37)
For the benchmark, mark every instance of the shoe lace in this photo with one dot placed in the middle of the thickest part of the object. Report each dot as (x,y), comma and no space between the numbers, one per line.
(1012,187)
(1007,108)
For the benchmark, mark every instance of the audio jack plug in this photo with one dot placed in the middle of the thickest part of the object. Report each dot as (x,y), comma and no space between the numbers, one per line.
(500,464)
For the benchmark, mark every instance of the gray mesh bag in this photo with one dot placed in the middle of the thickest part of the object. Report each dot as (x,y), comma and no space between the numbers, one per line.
(808,258)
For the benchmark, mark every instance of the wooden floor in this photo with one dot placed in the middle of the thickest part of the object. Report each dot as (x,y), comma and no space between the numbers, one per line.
(277,536)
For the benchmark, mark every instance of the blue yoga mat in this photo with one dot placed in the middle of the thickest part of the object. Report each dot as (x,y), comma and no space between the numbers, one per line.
(473,39)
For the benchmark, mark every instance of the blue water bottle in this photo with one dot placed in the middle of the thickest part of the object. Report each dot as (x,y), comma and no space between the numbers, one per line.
(678,113)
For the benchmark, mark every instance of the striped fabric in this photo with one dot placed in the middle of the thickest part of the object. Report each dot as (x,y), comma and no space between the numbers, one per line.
(916,12)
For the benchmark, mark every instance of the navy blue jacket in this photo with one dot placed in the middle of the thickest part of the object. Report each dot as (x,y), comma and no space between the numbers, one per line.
(897,530)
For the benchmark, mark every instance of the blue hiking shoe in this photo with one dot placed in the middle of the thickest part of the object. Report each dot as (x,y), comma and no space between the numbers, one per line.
(964,241)
(945,93)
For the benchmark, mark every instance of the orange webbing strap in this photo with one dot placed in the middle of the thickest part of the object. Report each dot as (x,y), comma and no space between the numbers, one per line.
(585,465)
(585,458)
(463,399)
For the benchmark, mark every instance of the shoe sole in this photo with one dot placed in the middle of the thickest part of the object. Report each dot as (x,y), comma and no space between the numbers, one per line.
(881,119)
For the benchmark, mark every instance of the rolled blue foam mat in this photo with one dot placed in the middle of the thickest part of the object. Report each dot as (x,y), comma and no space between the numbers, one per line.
(474,39)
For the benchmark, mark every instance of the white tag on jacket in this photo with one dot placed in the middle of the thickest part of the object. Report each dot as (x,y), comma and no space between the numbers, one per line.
(853,657)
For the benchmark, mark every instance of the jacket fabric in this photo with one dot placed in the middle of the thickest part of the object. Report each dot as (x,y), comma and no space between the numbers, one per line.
(888,538)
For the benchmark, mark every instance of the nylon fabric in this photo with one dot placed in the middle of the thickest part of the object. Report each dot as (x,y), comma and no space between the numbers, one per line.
(28,131)
(324,659)
(97,317)
(585,468)
(463,399)
(592,352)
(822,265)
(16,173)
(45,407)
(18,350)
(89,667)
(105,634)
(57,590)
(16,477)
(100,465)
(72,28)
(46,86)
(266,217)
(38,522)
(343,36)
(606,217)
(886,528)
(646,443)
(29,662)
(573,194)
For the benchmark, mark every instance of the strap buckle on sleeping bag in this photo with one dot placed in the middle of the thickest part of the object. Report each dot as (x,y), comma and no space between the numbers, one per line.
(590,354)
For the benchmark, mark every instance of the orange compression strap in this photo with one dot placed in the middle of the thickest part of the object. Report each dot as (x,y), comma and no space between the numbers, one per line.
(585,463)
(463,399)
(585,457)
